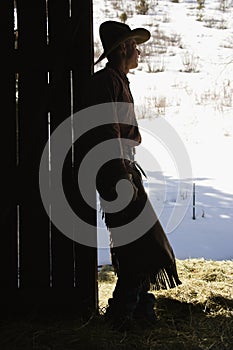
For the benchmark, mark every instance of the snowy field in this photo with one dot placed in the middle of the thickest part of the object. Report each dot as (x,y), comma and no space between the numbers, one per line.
(185,78)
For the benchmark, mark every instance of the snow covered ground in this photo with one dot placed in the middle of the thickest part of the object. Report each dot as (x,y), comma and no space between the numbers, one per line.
(185,78)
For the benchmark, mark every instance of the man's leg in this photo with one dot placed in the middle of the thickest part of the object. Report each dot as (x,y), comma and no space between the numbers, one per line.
(131,301)
(125,298)
(145,309)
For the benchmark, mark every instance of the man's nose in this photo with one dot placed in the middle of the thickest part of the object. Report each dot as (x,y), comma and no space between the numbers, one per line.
(138,51)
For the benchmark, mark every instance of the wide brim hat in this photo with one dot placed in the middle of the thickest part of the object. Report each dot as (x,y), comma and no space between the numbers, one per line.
(113,33)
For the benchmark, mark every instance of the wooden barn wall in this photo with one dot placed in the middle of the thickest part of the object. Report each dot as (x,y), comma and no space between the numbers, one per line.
(47,56)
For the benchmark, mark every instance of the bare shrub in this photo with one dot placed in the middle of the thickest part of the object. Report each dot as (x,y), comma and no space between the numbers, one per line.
(228,43)
(215,23)
(129,10)
(159,36)
(142,7)
(160,104)
(117,4)
(210,22)
(221,96)
(157,65)
(153,106)
(156,106)
(200,4)
(222,24)
(223,5)
(123,17)
(175,40)
(227,93)
(153,49)
(143,111)
(190,63)
(166,18)
(146,51)
(164,40)
(200,15)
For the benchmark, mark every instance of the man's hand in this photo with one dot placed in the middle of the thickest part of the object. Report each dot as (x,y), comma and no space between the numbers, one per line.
(110,193)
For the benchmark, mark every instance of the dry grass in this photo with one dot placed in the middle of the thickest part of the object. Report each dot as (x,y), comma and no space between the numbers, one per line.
(196,315)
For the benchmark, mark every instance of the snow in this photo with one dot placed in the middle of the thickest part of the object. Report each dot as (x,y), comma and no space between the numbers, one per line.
(197,108)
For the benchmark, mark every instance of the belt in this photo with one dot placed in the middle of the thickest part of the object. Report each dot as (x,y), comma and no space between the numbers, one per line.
(139,168)
(129,154)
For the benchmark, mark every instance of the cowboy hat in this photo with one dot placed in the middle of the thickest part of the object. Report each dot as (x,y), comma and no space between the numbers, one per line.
(113,33)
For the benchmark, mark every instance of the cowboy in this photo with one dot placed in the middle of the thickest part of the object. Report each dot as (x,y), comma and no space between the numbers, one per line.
(140,259)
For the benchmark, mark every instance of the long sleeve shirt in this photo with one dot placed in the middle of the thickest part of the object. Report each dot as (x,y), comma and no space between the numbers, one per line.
(110,87)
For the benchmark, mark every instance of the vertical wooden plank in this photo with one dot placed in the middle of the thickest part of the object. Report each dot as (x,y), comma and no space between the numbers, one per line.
(8,236)
(82,46)
(60,109)
(33,133)
(82,64)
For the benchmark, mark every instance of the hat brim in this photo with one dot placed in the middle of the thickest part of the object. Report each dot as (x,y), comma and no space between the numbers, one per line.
(140,35)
